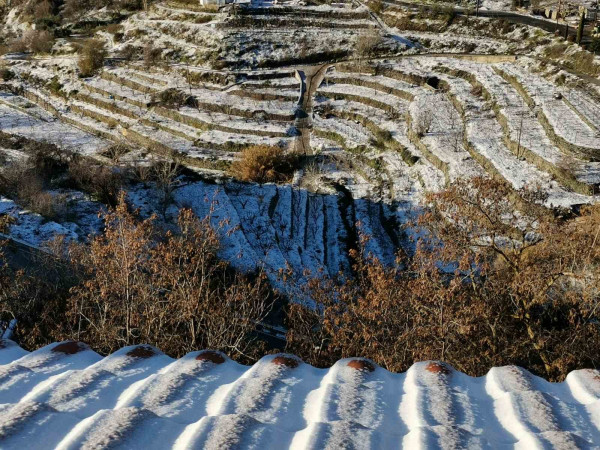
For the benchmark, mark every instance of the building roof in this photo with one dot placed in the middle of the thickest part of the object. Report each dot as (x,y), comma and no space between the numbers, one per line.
(67,396)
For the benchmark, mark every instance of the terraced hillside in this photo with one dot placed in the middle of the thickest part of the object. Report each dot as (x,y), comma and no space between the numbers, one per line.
(266,34)
(376,129)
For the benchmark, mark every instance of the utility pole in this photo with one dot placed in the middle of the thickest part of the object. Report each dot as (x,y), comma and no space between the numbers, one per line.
(580,28)
(519,136)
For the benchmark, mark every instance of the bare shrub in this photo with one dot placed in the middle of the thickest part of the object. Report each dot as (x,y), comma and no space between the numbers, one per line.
(165,174)
(584,62)
(47,159)
(128,52)
(142,172)
(116,151)
(264,164)
(152,55)
(555,51)
(172,292)
(91,57)
(42,10)
(39,41)
(172,98)
(17,45)
(367,44)
(46,204)
(101,182)
(26,181)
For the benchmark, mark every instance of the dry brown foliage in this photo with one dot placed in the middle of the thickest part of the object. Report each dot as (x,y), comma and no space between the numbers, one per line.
(496,286)
(171,292)
(103,183)
(25,181)
(264,164)
(31,294)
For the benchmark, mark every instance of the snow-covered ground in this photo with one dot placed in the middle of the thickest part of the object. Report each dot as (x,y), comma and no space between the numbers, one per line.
(46,128)
(485,134)
(37,231)
(443,137)
(66,396)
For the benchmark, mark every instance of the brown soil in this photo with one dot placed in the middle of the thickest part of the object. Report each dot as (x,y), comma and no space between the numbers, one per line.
(209,355)
(362,365)
(285,361)
(436,367)
(142,351)
(69,348)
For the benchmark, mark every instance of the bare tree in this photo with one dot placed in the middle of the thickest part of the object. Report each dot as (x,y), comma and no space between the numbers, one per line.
(422,120)
(520,150)
(166,173)
(366,44)
(456,129)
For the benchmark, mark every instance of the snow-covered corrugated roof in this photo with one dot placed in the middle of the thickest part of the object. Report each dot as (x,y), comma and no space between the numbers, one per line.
(67,396)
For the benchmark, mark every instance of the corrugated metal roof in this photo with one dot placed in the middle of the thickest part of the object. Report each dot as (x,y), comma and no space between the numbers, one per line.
(67,396)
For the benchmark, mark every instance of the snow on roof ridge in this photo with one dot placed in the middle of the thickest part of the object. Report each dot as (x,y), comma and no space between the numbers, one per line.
(65,395)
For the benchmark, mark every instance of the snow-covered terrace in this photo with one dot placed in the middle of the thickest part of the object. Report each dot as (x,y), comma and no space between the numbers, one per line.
(485,135)
(47,128)
(216,97)
(523,125)
(564,120)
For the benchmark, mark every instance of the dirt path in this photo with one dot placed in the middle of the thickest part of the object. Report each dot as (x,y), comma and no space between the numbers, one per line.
(310,78)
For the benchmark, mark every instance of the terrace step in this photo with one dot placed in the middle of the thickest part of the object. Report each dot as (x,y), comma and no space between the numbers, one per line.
(189,120)
(562,125)
(199,94)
